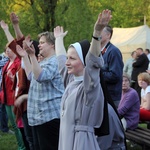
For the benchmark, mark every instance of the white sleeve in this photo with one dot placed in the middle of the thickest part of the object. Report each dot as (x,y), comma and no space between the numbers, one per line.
(147,90)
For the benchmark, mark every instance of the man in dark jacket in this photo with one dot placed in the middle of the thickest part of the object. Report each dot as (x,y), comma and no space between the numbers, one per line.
(113,66)
(140,65)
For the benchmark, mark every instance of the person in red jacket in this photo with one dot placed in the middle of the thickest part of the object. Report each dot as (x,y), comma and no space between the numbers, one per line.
(7,93)
(21,83)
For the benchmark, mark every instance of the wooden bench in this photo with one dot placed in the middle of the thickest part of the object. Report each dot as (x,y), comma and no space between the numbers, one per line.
(141,136)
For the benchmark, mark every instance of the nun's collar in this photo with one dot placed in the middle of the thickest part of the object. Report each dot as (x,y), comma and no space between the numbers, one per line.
(78,78)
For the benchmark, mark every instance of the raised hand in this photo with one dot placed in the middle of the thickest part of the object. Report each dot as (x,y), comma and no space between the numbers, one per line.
(59,32)
(27,42)
(21,51)
(4,26)
(28,46)
(102,20)
(14,18)
(30,50)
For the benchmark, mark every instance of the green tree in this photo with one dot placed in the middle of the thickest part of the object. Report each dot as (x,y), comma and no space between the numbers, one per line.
(35,15)
(77,16)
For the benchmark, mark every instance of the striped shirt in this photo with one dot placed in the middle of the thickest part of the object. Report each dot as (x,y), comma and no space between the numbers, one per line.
(45,93)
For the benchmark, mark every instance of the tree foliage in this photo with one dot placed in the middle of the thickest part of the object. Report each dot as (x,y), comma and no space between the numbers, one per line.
(77,16)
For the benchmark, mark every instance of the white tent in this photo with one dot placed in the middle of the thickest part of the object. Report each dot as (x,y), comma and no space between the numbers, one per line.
(128,39)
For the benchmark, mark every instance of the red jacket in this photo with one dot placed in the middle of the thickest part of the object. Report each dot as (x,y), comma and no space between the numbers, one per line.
(7,93)
(23,85)
(23,88)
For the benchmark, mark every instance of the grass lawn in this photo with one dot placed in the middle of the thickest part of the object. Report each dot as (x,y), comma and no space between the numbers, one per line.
(8,141)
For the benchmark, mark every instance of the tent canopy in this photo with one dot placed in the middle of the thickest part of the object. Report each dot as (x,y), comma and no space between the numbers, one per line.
(129,39)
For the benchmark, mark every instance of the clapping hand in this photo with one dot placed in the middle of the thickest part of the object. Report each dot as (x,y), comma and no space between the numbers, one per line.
(28,46)
(21,51)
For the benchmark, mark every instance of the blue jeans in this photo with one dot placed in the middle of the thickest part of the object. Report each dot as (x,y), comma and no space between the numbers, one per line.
(3,119)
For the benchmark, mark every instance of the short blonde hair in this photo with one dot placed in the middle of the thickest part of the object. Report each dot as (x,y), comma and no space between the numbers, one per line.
(49,37)
(145,77)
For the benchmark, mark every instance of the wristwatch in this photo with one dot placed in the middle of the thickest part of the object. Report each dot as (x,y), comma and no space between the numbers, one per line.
(97,38)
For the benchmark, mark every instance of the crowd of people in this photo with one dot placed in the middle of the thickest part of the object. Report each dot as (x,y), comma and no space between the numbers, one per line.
(83,98)
(139,76)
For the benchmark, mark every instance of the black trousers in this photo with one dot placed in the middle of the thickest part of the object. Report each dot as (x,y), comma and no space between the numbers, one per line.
(27,132)
(46,136)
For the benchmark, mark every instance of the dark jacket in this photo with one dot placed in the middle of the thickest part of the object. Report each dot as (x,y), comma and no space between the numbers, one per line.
(112,71)
(141,65)
(23,84)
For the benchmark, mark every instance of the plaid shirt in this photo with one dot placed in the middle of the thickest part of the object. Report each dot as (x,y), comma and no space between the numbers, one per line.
(45,93)
(3,61)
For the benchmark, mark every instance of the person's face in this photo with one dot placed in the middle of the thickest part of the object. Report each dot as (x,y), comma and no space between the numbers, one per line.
(10,53)
(73,63)
(105,36)
(134,55)
(138,52)
(142,83)
(125,84)
(146,52)
(45,47)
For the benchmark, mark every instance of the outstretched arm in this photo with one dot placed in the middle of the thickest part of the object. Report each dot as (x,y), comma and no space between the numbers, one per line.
(15,22)
(59,40)
(102,20)
(5,28)
(12,43)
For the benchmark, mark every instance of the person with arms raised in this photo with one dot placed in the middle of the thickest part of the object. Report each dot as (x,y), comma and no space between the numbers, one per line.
(83,101)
